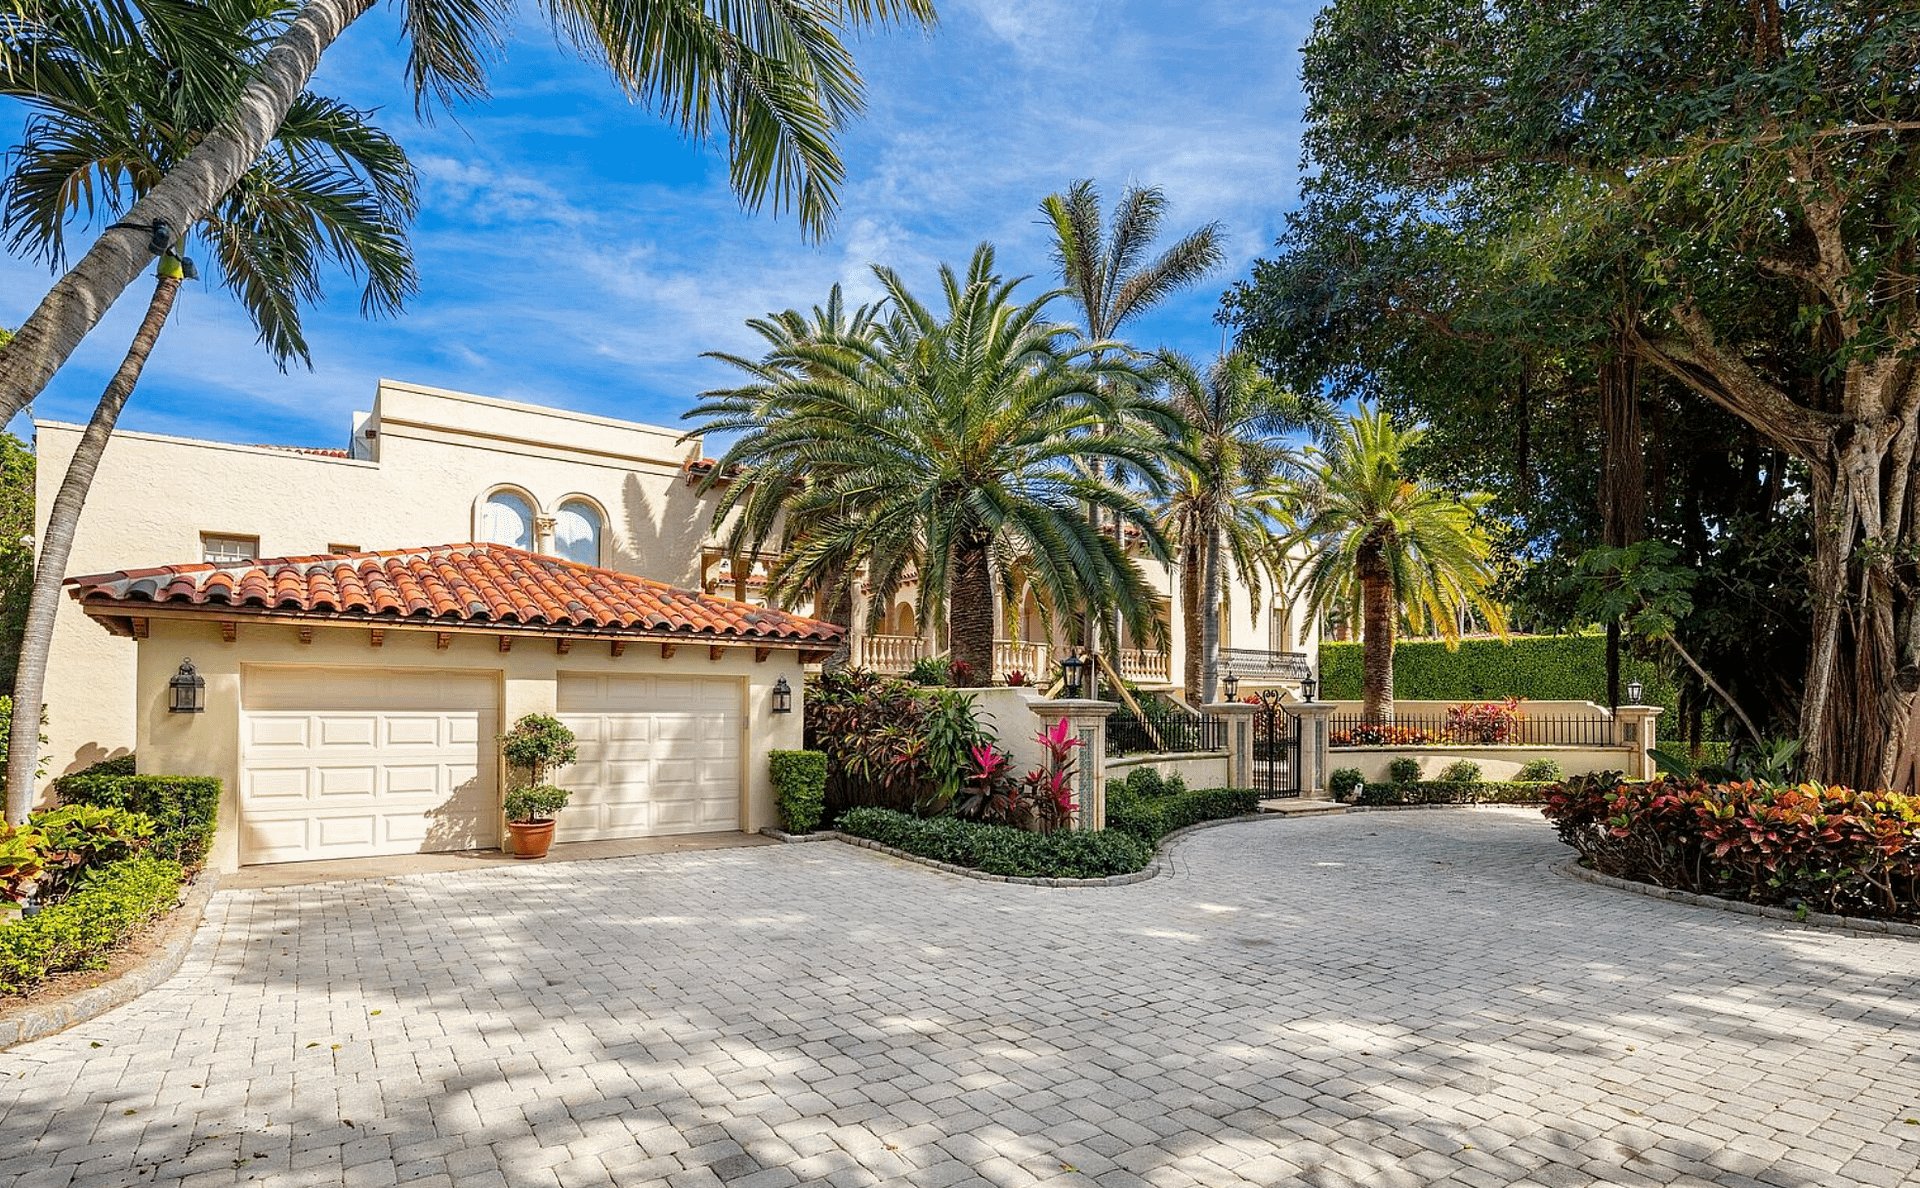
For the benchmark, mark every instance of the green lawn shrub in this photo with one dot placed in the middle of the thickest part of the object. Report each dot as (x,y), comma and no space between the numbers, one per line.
(1341,782)
(1454,792)
(1151,818)
(1404,770)
(1001,849)
(1543,769)
(1143,781)
(112,903)
(1460,771)
(799,788)
(1805,846)
(183,808)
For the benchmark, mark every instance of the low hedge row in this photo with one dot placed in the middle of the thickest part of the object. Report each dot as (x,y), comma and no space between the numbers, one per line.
(1454,792)
(114,902)
(1001,849)
(184,808)
(1151,818)
(1808,846)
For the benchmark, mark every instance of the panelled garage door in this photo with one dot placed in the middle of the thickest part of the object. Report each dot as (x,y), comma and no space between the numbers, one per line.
(353,762)
(658,755)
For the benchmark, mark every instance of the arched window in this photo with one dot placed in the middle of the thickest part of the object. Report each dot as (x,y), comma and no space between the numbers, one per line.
(507,519)
(576,532)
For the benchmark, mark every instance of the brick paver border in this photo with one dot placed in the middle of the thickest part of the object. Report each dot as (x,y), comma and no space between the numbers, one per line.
(1571,868)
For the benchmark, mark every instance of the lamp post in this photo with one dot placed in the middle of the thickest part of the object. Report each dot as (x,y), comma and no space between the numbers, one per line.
(1070,675)
(1635,690)
(1308,687)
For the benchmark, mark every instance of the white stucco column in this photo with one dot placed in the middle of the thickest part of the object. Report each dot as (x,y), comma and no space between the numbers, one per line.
(1636,725)
(1087,720)
(1240,726)
(1313,717)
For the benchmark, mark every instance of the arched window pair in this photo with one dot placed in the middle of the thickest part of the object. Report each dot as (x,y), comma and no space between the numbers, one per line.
(508,519)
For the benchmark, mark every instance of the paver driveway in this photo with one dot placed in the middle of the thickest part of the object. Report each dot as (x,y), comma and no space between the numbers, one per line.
(1381,998)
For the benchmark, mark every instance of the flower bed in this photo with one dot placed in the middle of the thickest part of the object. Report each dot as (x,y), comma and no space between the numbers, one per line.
(1808,846)
(1002,849)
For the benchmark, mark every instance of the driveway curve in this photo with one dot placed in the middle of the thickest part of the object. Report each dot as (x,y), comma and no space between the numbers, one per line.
(1382,999)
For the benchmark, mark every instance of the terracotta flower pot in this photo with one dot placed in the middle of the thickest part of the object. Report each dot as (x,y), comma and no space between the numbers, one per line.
(531,838)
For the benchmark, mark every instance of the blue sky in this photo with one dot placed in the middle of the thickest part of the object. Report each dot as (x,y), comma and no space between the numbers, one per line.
(575,252)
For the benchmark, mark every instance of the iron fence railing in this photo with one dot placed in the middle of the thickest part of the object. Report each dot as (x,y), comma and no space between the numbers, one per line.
(1477,727)
(1166,734)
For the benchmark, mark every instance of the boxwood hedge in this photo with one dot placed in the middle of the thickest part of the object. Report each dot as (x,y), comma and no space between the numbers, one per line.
(1534,667)
(114,902)
(799,788)
(1151,818)
(183,808)
(1455,792)
(1001,849)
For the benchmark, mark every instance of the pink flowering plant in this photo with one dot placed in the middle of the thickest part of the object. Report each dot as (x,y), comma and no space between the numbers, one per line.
(989,792)
(1050,788)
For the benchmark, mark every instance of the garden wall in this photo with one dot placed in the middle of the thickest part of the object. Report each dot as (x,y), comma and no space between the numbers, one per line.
(1007,713)
(1207,769)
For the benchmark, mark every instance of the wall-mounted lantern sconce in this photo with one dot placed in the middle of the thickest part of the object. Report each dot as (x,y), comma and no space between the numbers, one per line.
(782,697)
(187,691)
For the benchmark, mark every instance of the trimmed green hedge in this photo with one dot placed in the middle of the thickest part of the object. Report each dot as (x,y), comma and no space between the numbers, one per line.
(1533,667)
(183,808)
(115,902)
(799,788)
(1151,818)
(1001,849)
(1454,792)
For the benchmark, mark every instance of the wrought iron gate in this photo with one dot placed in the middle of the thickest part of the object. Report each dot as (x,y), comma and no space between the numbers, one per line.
(1276,752)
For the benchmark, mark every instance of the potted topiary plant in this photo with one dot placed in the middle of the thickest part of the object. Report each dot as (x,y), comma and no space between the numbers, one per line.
(537,744)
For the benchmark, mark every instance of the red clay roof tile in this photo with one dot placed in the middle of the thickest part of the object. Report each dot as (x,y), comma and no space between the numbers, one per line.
(463,583)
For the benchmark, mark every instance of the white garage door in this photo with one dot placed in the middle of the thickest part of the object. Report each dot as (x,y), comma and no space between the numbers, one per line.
(658,755)
(353,762)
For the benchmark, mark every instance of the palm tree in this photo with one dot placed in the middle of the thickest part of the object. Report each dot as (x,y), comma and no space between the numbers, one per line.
(1108,275)
(108,117)
(773,77)
(1218,507)
(749,520)
(949,446)
(1387,543)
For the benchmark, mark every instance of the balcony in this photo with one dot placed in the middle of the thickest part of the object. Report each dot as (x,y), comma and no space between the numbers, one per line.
(1145,667)
(1262,667)
(891,655)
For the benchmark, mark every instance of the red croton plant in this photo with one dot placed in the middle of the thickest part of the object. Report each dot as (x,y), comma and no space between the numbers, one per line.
(1810,846)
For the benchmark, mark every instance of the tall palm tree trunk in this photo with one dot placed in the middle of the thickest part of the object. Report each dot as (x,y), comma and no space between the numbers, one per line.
(970,611)
(1377,623)
(1190,616)
(77,302)
(1210,608)
(56,544)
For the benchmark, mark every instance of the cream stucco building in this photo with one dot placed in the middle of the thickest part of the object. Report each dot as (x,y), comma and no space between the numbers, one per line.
(431,467)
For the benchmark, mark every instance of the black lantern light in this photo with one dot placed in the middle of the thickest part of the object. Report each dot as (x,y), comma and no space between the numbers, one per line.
(1070,675)
(186,691)
(1635,690)
(1308,686)
(1230,686)
(782,697)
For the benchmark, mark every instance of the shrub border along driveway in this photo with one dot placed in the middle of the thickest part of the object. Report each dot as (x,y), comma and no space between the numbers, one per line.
(1571,868)
(41,1019)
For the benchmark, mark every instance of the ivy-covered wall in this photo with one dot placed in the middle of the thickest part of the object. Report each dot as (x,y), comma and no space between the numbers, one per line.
(1534,667)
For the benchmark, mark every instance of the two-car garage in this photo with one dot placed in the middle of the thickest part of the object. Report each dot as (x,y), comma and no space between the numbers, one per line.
(358,762)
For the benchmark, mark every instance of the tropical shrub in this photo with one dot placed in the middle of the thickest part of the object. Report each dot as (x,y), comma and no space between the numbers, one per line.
(1404,770)
(1543,769)
(1460,771)
(1342,781)
(799,788)
(1050,787)
(1806,846)
(1144,781)
(80,838)
(1001,849)
(184,809)
(930,670)
(890,743)
(23,855)
(110,904)
(1017,679)
(1151,818)
(1489,723)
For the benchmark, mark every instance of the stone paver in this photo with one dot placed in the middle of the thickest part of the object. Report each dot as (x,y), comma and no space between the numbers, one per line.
(1378,999)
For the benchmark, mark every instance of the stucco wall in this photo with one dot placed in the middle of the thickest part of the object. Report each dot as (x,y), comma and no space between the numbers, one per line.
(1199,771)
(1496,763)
(209,743)
(439,454)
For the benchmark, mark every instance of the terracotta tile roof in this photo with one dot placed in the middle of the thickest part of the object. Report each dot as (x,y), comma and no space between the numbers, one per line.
(316,451)
(465,584)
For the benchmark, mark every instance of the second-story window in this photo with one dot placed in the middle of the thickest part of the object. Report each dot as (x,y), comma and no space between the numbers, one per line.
(576,532)
(507,520)
(224,549)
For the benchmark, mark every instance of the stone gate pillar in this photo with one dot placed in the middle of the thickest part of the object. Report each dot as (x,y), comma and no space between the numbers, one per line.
(1636,726)
(1240,717)
(1313,717)
(1087,720)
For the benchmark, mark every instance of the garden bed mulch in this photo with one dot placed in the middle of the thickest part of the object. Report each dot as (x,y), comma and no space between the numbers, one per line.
(1153,869)
(1571,868)
(145,961)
